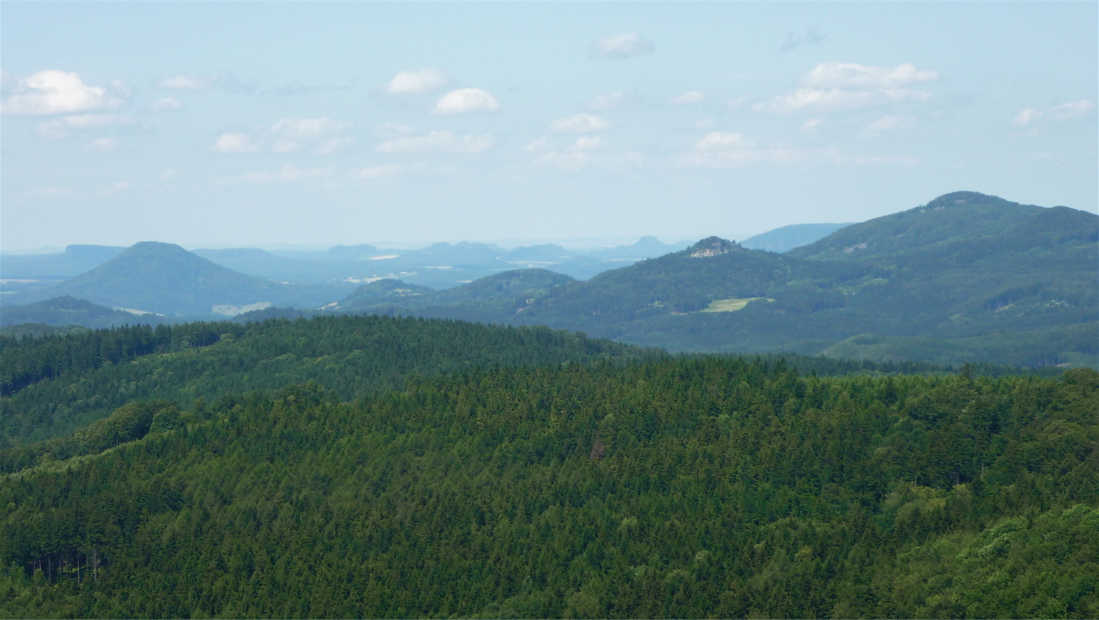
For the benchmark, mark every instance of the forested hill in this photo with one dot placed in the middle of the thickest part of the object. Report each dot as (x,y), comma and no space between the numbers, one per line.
(950,218)
(672,488)
(50,386)
(965,278)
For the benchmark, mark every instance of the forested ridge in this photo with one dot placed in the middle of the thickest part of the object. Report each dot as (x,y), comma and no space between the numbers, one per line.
(667,487)
(53,385)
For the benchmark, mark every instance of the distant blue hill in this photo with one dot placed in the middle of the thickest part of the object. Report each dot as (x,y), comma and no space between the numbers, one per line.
(789,237)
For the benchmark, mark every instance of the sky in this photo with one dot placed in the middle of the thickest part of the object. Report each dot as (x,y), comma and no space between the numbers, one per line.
(268,124)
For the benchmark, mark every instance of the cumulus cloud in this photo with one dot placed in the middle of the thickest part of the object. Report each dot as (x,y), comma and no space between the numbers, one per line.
(1073,109)
(188,82)
(693,96)
(720,140)
(794,40)
(392,130)
(54,193)
(332,145)
(101,144)
(1065,111)
(579,123)
(58,92)
(812,99)
(576,160)
(584,151)
(235,143)
(465,100)
(850,75)
(167,104)
(619,46)
(436,141)
(886,124)
(378,172)
(287,174)
(721,150)
(847,86)
(425,81)
(812,125)
(82,123)
(538,144)
(607,101)
(323,134)
(590,143)
(115,188)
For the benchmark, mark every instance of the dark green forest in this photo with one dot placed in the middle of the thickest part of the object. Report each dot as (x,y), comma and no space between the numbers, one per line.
(481,471)
(53,385)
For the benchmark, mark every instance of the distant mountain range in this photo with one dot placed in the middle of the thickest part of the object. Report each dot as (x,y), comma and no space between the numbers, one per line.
(439,266)
(162,278)
(966,277)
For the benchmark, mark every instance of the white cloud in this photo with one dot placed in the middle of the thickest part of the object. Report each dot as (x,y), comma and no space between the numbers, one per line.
(693,96)
(812,125)
(619,46)
(1073,109)
(54,193)
(166,104)
(834,86)
(378,172)
(607,101)
(827,75)
(392,130)
(292,134)
(576,160)
(102,144)
(538,144)
(464,100)
(425,81)
(737,102)
(887,123)
(81,123)
(838,99)
(235,143)
(436,141)
(188,82)
(57,92)
(116,188)
(579,123)
(286,174)
(332,145)
(720,140)
(1065,111)
(322,136)
(590,143)
(1025,117)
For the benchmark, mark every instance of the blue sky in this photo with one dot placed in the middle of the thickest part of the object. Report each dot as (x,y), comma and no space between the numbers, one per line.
(267,123)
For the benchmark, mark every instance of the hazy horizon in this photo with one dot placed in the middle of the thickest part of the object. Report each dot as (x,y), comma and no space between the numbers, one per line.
(266,124)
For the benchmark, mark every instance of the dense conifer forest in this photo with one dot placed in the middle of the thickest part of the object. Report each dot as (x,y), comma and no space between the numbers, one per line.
(551,475)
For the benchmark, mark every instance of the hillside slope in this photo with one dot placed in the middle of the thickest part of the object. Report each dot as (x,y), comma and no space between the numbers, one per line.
(675,488)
